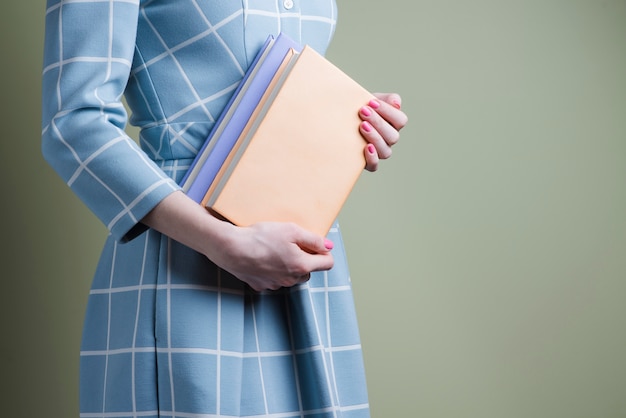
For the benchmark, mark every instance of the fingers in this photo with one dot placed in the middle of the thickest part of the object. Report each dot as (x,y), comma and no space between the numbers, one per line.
(391,104)
(371,158)
(300,270)
(376,130)
(310,242)
(311,262)
(288,282)
(315,252)
(382,120)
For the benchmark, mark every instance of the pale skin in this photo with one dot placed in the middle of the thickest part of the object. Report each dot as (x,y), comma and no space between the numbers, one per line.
(270,255)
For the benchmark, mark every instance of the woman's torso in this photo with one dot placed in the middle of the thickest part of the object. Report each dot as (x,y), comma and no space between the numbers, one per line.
(191,54)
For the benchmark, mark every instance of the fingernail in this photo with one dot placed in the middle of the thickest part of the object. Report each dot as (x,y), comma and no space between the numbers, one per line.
(365,111)
(395,104)
(366,126)
(371,148)
(328,244)
(374,104)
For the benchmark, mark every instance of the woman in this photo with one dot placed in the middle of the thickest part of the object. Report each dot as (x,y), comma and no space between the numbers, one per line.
(189,315)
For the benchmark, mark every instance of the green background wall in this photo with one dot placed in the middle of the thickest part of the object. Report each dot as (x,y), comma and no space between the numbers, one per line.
(488,255)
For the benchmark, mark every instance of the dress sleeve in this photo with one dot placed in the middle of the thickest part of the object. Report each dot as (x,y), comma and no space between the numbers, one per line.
(88,52)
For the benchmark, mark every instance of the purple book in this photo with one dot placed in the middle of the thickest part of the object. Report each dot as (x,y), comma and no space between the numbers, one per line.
(235,116)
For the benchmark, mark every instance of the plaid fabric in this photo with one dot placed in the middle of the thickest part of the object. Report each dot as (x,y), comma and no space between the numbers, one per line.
(167,333)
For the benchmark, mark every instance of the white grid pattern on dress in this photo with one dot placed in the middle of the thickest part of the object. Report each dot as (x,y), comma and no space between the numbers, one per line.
(145,285)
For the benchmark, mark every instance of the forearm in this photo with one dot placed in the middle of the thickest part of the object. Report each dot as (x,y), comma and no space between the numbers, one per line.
(267,255)
(185,221)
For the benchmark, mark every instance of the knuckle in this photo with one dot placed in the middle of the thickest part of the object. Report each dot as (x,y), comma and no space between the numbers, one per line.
(400,121)
(393,138)
(330,264)
(386,153)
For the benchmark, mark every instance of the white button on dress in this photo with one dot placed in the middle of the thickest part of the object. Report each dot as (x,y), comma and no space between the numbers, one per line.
(288,4)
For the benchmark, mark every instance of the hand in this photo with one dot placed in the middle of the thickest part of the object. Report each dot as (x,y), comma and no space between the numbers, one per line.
(266,255)
(382,120)
(270,255)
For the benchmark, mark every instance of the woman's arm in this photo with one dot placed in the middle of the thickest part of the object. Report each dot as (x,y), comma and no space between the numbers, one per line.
(266,255)
(272,255)
(89,48)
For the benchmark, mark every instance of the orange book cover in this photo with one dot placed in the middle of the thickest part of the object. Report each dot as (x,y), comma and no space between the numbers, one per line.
(304,154)
(234,152)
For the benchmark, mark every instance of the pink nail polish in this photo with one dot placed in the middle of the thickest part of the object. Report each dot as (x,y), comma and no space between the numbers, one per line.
(328,244)
(371,148)
(366,126)
(365,111)
(374,104)
(396,104)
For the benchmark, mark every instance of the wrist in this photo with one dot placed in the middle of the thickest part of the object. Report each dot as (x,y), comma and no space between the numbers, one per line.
(187,222)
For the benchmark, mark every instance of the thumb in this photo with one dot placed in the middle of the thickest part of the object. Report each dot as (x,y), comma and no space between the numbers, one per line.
(313,243)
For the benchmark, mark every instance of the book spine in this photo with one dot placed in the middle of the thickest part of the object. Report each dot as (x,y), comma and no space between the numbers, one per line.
(201,156)
(213,157)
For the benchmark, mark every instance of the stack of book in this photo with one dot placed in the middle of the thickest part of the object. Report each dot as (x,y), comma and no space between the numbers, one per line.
(287,146)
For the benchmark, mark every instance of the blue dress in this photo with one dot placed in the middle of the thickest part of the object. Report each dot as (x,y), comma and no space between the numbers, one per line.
(167,333)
